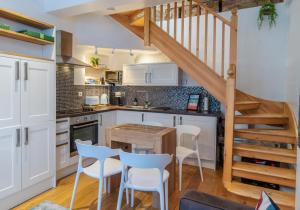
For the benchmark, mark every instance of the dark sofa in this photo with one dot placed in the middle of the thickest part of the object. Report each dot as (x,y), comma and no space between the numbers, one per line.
(193,200)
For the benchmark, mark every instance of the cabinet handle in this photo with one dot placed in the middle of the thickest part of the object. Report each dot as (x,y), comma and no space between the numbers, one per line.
(174,121)
(17,70)
(61,133)
(26,136)
(26,71)
(101,122)
(146,77)
(180,118)
(18,137)
(143,117)
(150,77)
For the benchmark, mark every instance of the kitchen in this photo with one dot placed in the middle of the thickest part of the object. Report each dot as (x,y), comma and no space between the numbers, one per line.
(127,86)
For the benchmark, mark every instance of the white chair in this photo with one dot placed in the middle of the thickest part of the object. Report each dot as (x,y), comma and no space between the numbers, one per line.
(147,173)
(183,152)
(144,149)
(103,168)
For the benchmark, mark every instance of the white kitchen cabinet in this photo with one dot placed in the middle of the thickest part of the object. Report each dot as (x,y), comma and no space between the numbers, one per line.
(208,136)
(163,74)
(168,120)
(38,91)
(154,74)
(106,120)
(186,80)
(38,159)
(10,161)
(136,74)
(9,91)
(129,117)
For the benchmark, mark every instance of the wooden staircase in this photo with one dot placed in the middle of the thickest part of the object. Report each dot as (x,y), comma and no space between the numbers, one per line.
(187,31)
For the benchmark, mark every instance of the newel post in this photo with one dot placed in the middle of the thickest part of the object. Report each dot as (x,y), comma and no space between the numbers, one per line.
(230,102)
(147,18)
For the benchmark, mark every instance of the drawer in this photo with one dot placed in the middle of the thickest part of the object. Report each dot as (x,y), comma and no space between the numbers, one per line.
(62,137)
(62,124)
(62,156)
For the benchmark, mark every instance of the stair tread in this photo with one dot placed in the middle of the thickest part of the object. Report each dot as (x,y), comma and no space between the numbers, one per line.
(246,102)
(275,132)
(254,192)
(262,118)
(265,170)
(264,115)
(266,150)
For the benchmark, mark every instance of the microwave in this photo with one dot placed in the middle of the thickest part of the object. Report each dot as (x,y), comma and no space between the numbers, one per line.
(113,77)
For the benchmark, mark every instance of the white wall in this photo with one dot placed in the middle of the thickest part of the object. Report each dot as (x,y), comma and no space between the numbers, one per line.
(262,55)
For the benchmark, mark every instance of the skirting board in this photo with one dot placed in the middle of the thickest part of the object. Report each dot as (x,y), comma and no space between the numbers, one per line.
(20,197)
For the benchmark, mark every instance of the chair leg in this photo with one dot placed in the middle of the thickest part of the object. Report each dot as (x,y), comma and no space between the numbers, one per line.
(166,195)
(132,198)
(121,189)
(100,193)
(180,174)
(108,185)
(105,184)
(200,166)
(74,190)
(127,196)
(162,198)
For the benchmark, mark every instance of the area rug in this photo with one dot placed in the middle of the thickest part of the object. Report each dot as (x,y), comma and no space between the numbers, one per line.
(47,205)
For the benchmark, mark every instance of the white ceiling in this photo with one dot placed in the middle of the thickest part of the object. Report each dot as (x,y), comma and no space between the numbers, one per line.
(105,7)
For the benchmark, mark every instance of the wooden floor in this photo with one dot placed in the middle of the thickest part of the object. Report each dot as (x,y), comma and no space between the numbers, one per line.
(86,197)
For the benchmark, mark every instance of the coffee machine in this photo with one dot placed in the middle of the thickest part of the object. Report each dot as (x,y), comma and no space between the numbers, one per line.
(120,96)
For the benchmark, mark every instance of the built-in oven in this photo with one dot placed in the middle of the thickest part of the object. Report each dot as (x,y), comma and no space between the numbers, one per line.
(84,128)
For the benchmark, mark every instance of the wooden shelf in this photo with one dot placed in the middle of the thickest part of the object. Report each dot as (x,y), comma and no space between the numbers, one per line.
(24,37)
(24,19)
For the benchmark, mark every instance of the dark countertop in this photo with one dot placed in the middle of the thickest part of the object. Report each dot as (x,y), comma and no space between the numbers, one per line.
(76,113)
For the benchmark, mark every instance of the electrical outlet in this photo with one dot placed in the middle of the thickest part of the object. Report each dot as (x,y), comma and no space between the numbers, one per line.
(80,94)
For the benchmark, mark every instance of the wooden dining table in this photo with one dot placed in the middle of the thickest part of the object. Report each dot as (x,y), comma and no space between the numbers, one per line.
(161,139)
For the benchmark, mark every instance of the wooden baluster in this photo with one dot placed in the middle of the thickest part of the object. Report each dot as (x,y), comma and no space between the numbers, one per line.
(154,14)
(182,22)
(223,50)
(147,18)
(175,20)
(206,36)
(168,18)
(198,31)
(233,37)
(190,24)
(161,15)
(214,43)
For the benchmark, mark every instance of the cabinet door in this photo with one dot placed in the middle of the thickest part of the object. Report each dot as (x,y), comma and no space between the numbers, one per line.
(38,91)
(135,74)
(207,140)
(38,158)
(9,92)
(167,120)
(129,117)
(163,74)
(106,120)
(10,161)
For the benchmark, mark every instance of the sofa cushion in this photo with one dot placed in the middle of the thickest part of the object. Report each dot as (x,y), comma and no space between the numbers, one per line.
(193,200)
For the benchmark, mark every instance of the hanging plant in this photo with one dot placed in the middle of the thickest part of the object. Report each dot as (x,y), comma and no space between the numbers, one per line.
(267,11)
(95,61)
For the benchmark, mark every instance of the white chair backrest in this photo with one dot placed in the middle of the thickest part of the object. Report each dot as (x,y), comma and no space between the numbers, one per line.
(152,123)
(86,149)
(159,161)
(192,130)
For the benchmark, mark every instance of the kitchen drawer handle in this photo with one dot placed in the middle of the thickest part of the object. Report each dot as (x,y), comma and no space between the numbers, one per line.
(143,117)
(174,121)
(85,125)
(26,136)
(60,145)
(26,71)
(18,137)
(101,118)
(180,120)
(146,77)
(17,70)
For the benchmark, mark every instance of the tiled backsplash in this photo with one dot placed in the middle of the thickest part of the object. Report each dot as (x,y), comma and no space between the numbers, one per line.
(174,97)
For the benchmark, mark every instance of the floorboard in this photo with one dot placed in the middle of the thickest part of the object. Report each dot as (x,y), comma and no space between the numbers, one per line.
(86,197)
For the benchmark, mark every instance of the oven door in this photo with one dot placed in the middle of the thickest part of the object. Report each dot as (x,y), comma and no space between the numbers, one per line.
(85,132)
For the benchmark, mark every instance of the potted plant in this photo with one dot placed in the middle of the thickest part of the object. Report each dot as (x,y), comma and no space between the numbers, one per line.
(267,11)
(95,61)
